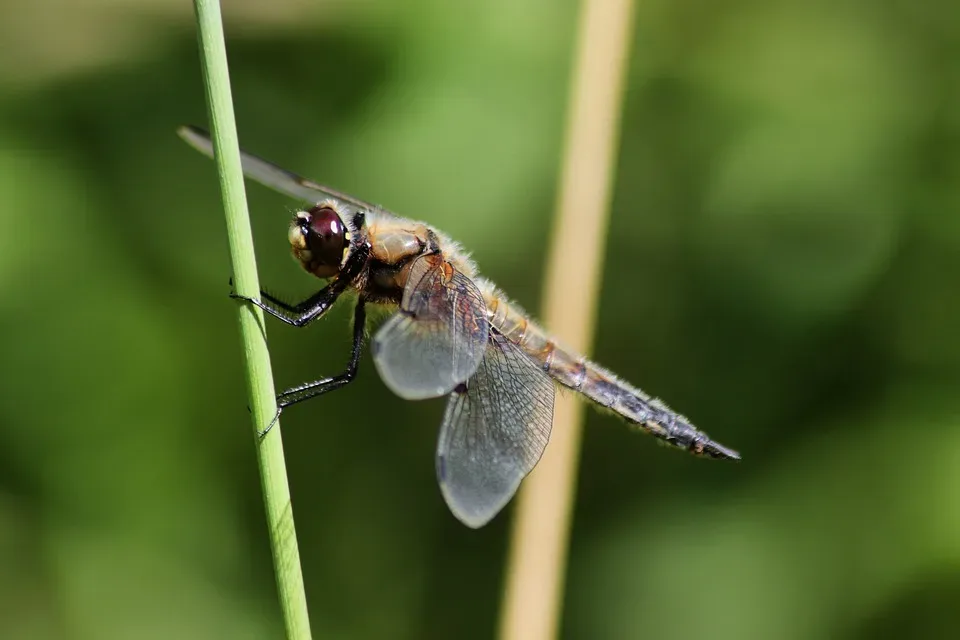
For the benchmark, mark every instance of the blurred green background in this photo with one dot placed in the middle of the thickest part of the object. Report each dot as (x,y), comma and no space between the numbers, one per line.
(782,267)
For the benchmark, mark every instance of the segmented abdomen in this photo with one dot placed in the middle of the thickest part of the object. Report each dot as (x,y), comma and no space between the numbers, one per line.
(583,376)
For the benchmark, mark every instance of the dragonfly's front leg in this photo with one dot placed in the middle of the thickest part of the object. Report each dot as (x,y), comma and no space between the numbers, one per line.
(301,314)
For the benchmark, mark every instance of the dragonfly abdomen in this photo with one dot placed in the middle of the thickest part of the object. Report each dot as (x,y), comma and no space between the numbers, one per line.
(648,413)
(600,386)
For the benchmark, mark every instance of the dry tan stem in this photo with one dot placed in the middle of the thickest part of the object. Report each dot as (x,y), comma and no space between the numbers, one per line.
(537,557)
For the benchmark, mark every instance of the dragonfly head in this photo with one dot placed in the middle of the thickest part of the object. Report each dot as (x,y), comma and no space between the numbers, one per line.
(319,240)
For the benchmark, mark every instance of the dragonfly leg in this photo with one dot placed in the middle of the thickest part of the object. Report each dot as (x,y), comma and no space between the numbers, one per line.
(275,301)
(298,315)
(314,307)
(316,388)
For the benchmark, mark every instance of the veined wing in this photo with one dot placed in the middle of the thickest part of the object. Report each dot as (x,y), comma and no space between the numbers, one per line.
(494,431)
(437,338)
(270,175)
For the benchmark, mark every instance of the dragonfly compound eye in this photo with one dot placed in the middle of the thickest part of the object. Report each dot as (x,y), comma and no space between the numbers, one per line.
(319,238)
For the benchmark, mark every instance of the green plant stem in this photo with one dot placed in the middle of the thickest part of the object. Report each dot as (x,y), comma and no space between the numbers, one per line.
(276,493)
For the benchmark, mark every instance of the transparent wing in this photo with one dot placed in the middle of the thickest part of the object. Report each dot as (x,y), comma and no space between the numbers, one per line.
(437,338)
(270,175)
(493,433)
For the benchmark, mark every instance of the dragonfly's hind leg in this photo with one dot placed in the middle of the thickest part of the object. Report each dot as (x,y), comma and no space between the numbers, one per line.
(316,388)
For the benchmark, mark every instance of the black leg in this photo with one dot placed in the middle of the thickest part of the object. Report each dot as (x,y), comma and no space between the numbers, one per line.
(316,388)
(266,295)
(303,313)
(277,302)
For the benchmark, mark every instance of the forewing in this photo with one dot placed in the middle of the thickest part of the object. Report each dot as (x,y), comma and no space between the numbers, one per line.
(437,338)
(493,433)
(270,175)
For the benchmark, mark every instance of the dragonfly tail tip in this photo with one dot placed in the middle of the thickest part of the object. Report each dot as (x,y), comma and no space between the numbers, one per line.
(723,453)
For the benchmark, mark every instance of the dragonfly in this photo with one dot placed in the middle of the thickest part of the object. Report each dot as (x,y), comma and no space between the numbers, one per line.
(452,333)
